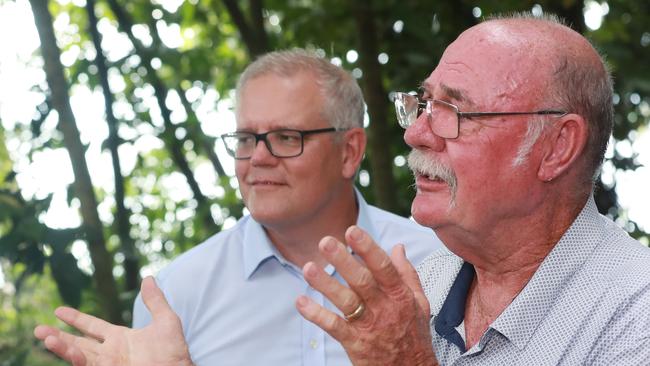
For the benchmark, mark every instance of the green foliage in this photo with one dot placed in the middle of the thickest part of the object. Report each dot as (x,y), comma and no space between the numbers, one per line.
(20,313)
(165,222)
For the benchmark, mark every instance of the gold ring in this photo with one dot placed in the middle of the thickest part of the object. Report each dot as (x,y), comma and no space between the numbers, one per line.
(356,314)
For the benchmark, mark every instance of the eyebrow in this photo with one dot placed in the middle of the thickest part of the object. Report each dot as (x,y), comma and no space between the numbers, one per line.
(453,93)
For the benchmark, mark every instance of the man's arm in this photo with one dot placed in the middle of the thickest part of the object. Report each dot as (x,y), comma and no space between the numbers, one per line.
(387,311)
(102,343)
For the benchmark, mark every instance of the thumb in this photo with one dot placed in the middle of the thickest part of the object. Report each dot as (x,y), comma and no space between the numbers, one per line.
(409,275)
(154,299)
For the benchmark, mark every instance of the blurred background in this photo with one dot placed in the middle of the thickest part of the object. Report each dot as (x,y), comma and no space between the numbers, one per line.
(110,110)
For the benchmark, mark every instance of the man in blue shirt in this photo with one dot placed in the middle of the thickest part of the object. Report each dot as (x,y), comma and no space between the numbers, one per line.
(298,145)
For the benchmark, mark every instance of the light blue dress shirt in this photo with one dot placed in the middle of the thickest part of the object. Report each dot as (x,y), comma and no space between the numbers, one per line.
(235,294)
(588,303)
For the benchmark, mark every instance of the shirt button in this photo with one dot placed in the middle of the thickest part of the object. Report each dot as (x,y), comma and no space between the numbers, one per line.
(313,344)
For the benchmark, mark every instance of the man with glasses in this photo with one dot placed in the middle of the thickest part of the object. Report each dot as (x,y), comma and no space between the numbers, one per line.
(508,136)
(297,147)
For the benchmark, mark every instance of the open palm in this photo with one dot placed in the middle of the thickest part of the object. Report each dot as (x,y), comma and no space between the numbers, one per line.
(103,343)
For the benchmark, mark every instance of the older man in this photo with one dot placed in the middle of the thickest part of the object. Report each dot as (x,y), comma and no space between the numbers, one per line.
(298,145)
(507,137)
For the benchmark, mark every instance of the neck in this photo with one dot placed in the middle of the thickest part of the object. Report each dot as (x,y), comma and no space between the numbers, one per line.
(506,258)
(298,241)
(514,246)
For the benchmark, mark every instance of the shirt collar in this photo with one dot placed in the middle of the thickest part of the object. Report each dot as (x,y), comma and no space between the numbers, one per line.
(452,311)
(258,248)
(517,322)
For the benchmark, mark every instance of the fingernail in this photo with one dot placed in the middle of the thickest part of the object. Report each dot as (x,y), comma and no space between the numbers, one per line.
(310,270)
(58,311)
(302,301)
(329,245)
(355,233)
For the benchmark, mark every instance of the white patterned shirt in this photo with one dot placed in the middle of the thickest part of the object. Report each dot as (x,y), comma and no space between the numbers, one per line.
(587,304)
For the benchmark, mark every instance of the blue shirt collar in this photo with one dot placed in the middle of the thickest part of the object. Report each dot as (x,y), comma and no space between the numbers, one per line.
(258,248)
(452,312)
(516,322)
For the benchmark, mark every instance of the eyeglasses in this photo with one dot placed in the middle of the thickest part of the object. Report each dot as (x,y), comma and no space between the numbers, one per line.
(443,117)
(284,143)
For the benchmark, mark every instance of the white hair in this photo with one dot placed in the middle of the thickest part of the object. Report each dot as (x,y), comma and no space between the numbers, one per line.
(343,105)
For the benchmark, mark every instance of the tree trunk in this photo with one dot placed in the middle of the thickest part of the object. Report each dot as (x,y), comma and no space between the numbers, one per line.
(127,245)
(253,34)
(195,134)
(101,259)
(173,144)
(200,139)
(381,163)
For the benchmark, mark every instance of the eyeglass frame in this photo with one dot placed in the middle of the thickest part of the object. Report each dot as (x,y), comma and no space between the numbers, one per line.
(263,137)
(426,106)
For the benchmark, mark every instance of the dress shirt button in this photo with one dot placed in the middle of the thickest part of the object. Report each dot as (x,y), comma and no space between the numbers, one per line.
(313,344)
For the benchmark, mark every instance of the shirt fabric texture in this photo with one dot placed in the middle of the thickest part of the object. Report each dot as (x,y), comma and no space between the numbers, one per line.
(587,304)
(235,294)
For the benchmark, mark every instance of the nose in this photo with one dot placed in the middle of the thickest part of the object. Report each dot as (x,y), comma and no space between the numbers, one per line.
(419,135)
(262,154)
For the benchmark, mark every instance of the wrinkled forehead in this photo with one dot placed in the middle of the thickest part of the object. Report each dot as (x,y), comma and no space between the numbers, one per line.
(487,66)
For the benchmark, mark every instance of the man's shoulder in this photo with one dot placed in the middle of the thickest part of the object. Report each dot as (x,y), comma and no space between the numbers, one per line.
(622,259)
(219,247)
(630,271)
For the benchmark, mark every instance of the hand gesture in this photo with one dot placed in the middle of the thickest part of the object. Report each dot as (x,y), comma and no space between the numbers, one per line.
(160,343)
(386,319)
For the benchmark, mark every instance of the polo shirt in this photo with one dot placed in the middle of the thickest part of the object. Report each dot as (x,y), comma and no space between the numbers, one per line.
(587,304)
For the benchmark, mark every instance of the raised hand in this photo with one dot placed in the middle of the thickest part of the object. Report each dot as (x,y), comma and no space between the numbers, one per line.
(386,319)
(104,344)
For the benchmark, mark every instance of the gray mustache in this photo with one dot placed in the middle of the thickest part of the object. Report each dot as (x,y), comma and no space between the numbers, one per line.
(419,163)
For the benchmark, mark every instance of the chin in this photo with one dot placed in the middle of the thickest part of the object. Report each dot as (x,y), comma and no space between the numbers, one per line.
(429,213)
(266,217)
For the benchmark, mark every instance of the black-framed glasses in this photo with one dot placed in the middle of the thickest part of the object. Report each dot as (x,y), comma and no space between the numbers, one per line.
(283,143)
(444,118)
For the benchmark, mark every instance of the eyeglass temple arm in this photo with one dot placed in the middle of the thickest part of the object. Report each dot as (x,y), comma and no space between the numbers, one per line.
(487,114)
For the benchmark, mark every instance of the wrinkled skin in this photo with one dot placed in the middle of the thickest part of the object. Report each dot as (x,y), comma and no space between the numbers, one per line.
(394,328)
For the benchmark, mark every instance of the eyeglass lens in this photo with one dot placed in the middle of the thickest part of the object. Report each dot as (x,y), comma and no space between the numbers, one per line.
(281,143)
(442,117)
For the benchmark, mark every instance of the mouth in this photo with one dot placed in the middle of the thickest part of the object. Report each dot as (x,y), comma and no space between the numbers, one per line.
(265,183)
(430,177)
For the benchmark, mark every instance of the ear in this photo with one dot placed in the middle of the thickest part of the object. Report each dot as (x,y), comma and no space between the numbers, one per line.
(354,146)
(564,146)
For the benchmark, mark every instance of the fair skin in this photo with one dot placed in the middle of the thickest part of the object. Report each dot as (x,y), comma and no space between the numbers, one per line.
(297,200)
(506,218)
(104,344)
(293,197)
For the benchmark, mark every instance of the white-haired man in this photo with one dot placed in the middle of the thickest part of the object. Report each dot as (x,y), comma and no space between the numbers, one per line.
(507,137)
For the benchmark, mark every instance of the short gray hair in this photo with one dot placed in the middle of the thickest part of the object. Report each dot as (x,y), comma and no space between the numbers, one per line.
(580,87)
(343,105)
(588,91)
